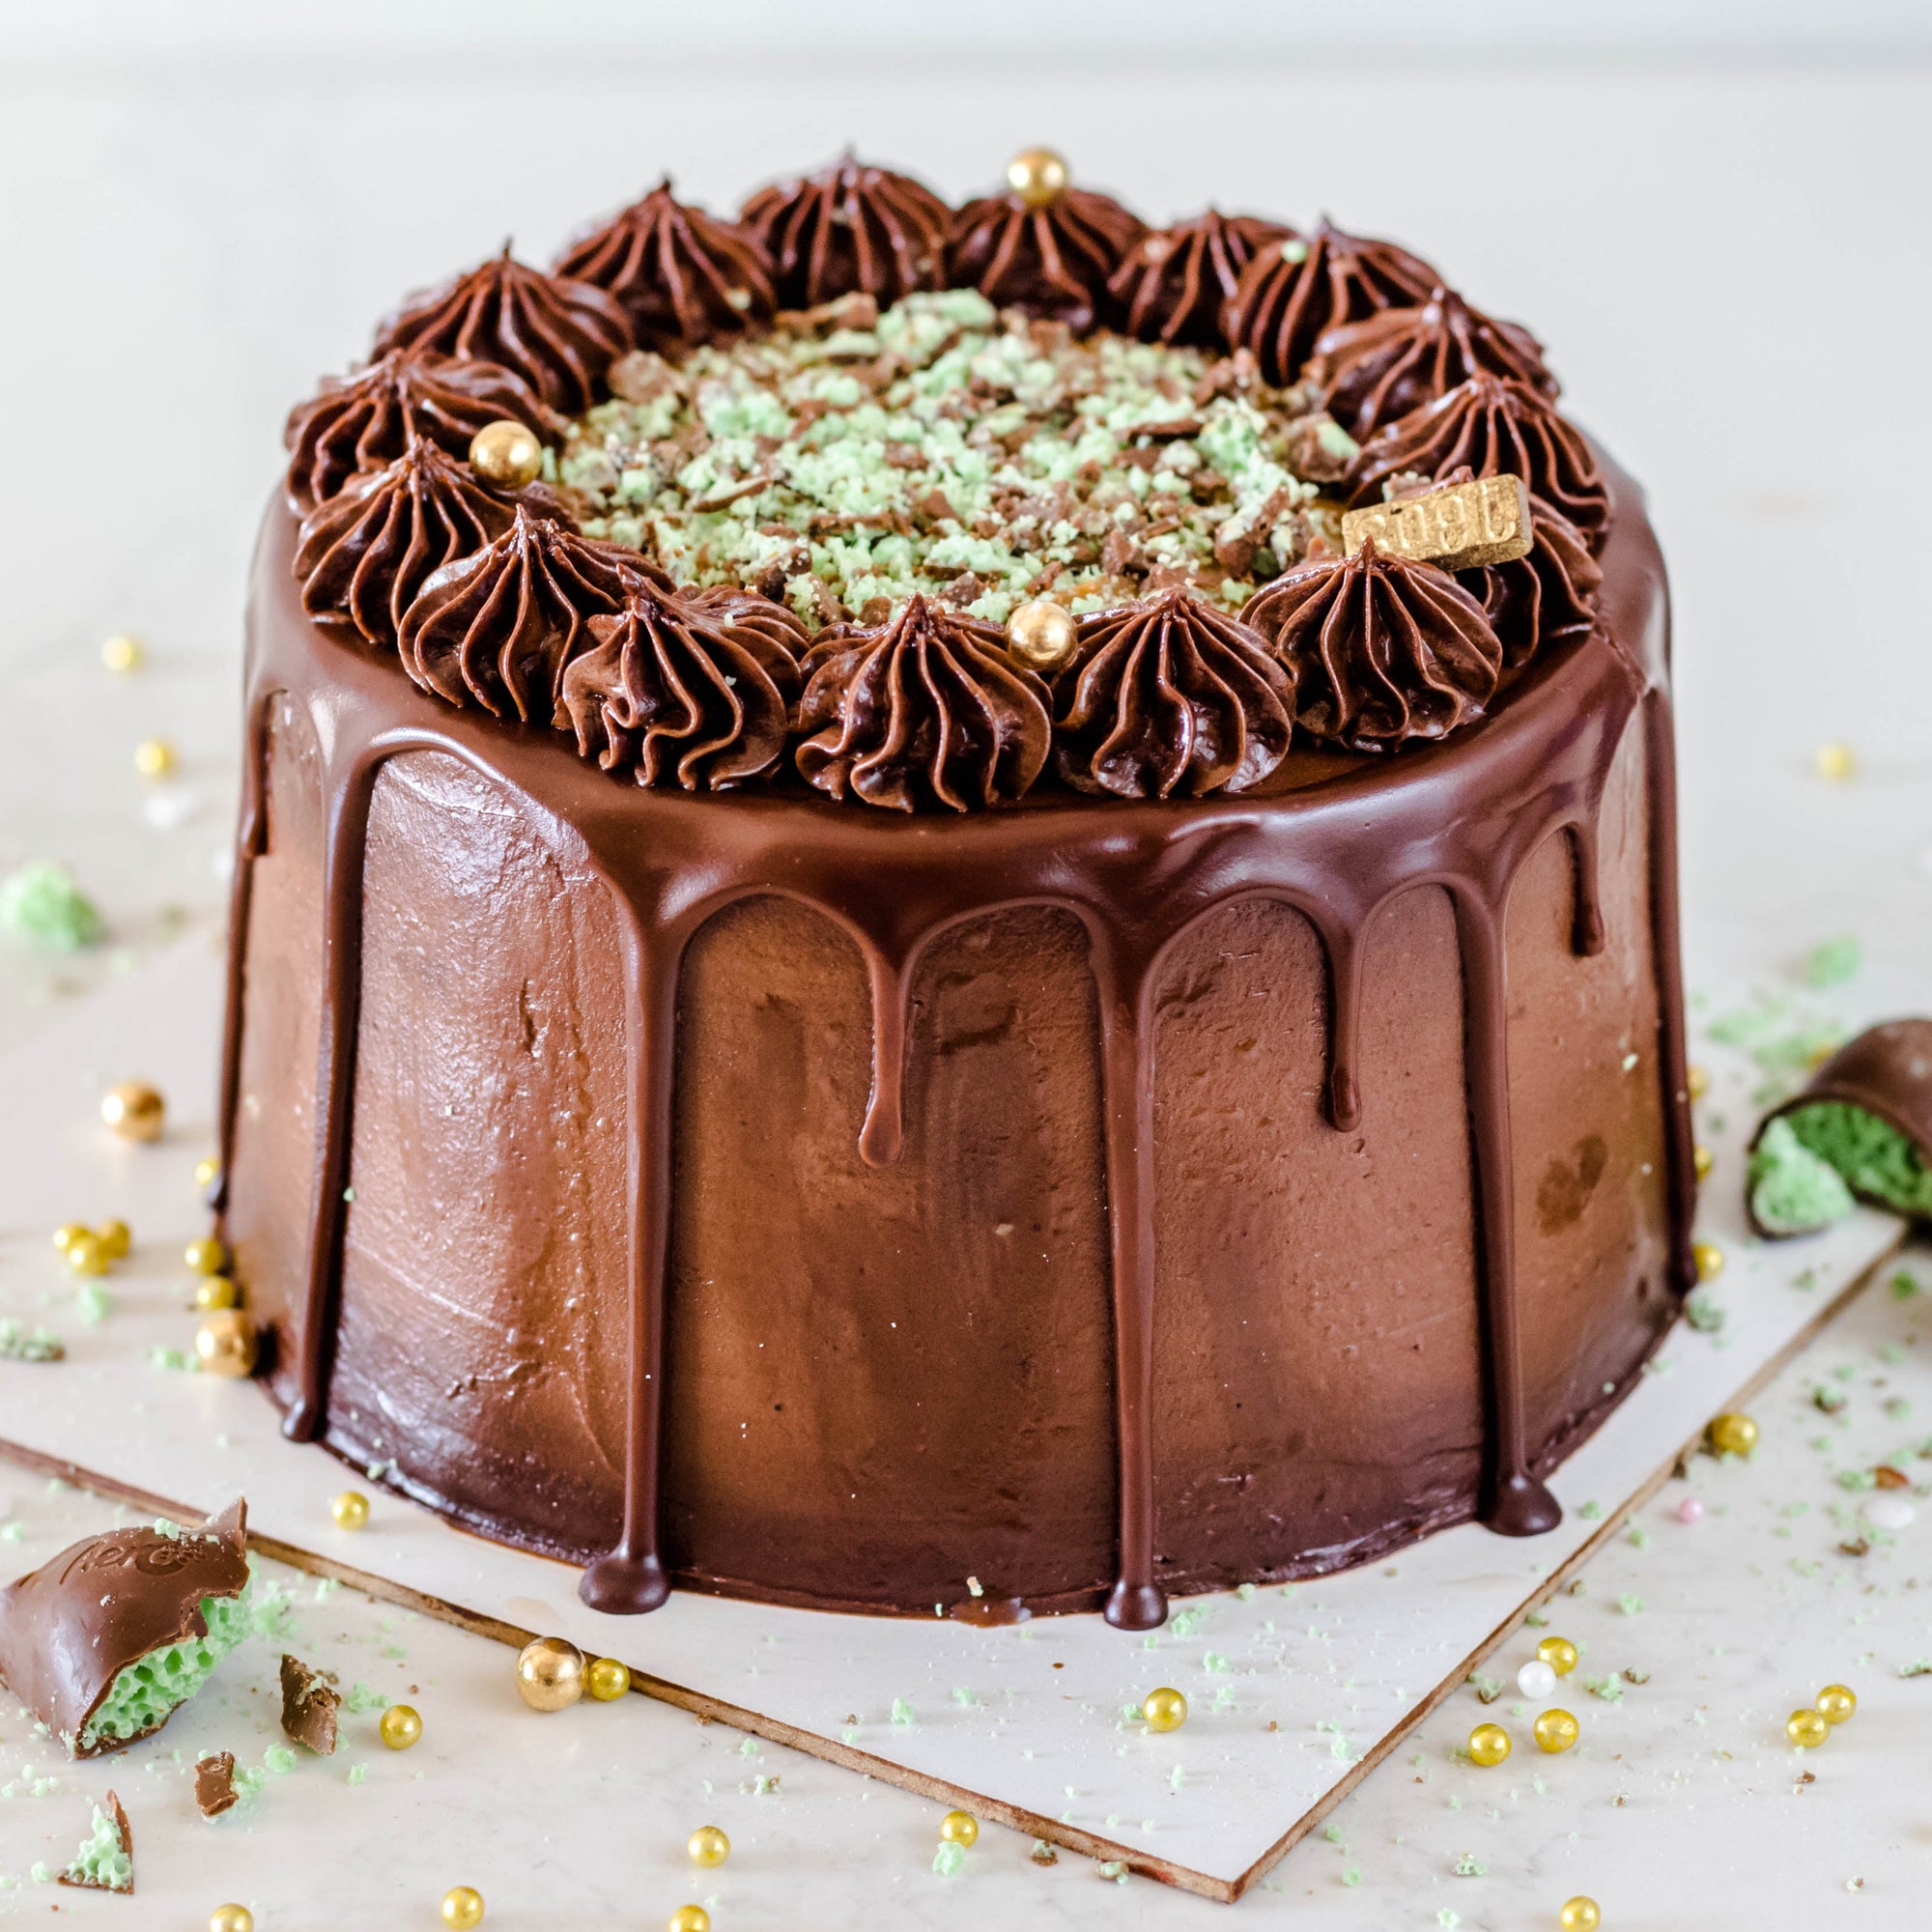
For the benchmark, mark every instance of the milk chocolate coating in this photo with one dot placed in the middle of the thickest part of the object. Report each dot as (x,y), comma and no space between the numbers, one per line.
(1888,1072)
(215,1789)
(1098,1198)
(309,1707)
(68,1629)
(123,1830)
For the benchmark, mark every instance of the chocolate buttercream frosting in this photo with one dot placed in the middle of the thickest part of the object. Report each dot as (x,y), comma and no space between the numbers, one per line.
(927,712)
(497,629)
(680,693)
(558,334)
(1173,283)
(365,420)
(1170,698)
(70,1627)
(682,275)
(1373,371)
(1489,425)
(1384,650)
(850,228)
(1295,290)
(365,554)
(1055,260)
(1550,593)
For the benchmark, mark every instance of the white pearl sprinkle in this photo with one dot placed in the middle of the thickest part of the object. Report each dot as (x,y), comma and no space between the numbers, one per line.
(1888,1512)
(1536,1679)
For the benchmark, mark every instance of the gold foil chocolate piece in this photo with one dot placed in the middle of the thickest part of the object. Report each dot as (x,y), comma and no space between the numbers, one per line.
(1459,526)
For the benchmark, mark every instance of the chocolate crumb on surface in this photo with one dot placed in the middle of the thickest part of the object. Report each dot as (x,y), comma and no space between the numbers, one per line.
(309,1707)
(215,1789)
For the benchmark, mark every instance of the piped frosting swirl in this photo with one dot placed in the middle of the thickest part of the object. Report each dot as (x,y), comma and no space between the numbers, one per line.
(1055,258)
(851,228)
(1297,289)
(364,421)
(1382,649)
(1373,371)
(1489,425)
(498,629)
(1173,283)
(559,335)
(691,691)
(1550,594)
(365,552)
(1169,697)
(682,275)
(926,712)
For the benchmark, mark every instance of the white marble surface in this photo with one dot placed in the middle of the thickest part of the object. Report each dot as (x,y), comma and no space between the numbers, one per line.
(1731,269)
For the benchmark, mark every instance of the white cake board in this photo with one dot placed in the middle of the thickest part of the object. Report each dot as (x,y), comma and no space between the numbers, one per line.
(1296,1693)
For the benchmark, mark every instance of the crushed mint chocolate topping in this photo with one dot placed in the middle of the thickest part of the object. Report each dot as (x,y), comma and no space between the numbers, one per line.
(857,457)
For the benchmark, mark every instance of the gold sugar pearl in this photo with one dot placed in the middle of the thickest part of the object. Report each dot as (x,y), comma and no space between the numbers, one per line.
(690,1918)
(134,1110)
(224,1344)
(1037,176)
(1732,1433)
(400,1727)
(85,1254)
(215,1290)
(1559,1653)
(959,1828)
(231,1919)
(121,654)
(1042,635)
(1488,1744)
(1836,1702)
(1834,762)
(462,1908)
(116,1237)
(507,454)
(206,1255)
(550,1673)
(1557,1731)
(708,1846)
(1709,1258)
(1165,1708)
(1580,1915)
(606,1680)
(1808,1728)
(1703,1159)
(351,1510)
(155,758)
(207,1172)
(1697,1082)
(68,1232)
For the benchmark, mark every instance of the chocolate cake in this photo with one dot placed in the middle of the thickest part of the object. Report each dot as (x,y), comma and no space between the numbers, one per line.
(874,965)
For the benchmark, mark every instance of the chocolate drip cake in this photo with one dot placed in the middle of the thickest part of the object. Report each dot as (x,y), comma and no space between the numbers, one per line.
(956,911)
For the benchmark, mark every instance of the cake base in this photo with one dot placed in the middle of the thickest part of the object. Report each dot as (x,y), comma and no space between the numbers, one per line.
(1389,1646)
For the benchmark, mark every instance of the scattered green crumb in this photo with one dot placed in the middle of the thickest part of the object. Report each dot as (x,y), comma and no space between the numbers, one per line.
(1920,1666)
(1352,1875)
(361,1699)
(1184,1623)
(1115,1871)
(161,1356)
(849,1735)
(1448,1919)
(1469,1865)
(1610,1689)
(1829,1399)
(1903,1286)
(1488,1688)
(1703,1313)
(279,1759)
(962,1696)
(1630,1606)
(19,1343)
(1856,1479)
(1245,1591)
(42,1873)
(1590,1511)
(1537,1619)
(1834,961)
(13,1531)
(1794,1188)
(1214,1662)
(1332,1832)
(1639,1537)
(356,1773)
(41,905)
(92,1302)
(947,1860)
(901,1711)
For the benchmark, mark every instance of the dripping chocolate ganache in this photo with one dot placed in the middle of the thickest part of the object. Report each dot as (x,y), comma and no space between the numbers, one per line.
(870,968)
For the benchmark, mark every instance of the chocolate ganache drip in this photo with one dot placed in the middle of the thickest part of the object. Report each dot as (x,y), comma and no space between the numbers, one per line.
(1550,593)
(1371,371)
(498,628)
(928,711)
(365,552)
(1053,258)
(367,420)
(1492,426)
(1297,289)
(1173,283)
(682,275)
(558,334)
(1170,698)
(1382,649)
(682,693)
(850,229)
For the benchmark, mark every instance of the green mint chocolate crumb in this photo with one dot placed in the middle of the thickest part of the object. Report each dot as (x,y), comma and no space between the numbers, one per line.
(949,1858)
(357,1774)
(901,1711)
(41,905)
(1920,1666)
(41,1873)
(1869,1155)
(1332,1832)
(1591,1511)
(1630,1606)
(145,1692)
(361,1699)
(1610,1689)
(161,1356)
(1704,1314)
(1903,1286)
(92,1302)
(1469,1865)
(102,1860)
(1794,1188)
(19,1343)
(279,1759)
(1352,1875)
(1833,962)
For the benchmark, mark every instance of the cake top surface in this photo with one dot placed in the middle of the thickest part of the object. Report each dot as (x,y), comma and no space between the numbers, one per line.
(930,508)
